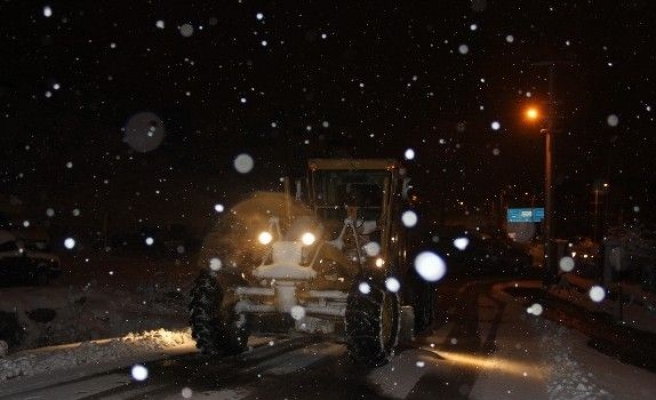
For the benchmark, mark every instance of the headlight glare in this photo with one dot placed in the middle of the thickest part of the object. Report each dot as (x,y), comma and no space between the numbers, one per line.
(265,237)
(308,238)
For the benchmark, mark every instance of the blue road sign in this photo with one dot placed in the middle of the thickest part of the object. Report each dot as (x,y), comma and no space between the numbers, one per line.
(525,214)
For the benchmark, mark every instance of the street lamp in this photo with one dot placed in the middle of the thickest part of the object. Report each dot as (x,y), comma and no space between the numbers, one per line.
(533,114)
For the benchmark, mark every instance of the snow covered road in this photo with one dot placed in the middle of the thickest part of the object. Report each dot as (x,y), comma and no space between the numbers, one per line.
(487,347)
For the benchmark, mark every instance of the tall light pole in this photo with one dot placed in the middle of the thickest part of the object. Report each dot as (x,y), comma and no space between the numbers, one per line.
(533,114)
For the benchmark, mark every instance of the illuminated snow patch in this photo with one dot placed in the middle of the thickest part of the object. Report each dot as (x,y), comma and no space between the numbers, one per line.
(364,288)
(409,219)
(139,373)
(613,120)
(535,309)
(372,249)
(566,264)
(597,294)
(409,154)
(69,243)
(297,312)
(495,125)
(47,11)
(159,24)
(150,241)
(430,266)
(186,30)
(219,208)
(392,284)
(460,243)
(244,163)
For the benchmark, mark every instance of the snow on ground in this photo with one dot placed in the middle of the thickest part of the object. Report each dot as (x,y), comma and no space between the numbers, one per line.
(131,348)
(573,370)
(532,357)
(60,314)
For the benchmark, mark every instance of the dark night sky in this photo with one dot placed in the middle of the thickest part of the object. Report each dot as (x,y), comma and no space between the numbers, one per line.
(313,78)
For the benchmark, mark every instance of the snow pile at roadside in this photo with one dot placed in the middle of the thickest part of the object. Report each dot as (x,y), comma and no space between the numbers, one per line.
(93,352)
(567,378)
(46,316)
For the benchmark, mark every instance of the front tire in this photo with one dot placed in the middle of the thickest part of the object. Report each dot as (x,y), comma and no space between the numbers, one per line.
(214,325)
(373,322)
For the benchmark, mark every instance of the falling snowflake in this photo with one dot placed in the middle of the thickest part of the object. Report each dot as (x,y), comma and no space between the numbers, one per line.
(409,154)
(566,264)
(364,288)
(139,373)
(409,219)
(597,294)
(186,30)
(430,266)
(244,163)
(392,284)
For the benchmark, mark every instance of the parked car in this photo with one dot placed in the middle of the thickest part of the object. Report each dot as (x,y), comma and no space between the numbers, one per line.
(24,262)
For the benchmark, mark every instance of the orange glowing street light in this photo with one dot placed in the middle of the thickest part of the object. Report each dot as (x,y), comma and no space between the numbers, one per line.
(532,113)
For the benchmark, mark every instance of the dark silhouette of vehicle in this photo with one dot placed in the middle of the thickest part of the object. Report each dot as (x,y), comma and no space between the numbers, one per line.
(25,262)
(476,253)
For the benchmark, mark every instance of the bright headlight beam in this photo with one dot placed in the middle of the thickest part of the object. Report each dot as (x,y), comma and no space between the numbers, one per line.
(308,238)
(265,237)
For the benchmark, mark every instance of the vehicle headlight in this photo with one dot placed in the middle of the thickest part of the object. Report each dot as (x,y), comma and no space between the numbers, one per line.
(308,238)
(265,237)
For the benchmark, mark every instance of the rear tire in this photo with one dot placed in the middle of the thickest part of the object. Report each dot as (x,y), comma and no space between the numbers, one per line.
(373,322)
(214,325)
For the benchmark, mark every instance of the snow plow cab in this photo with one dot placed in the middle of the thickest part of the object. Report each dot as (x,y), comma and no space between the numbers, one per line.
(332,264)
